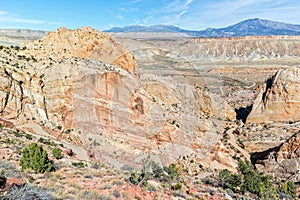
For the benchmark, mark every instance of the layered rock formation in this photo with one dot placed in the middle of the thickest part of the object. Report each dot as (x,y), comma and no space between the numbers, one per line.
(279,99)
(282,162)
(241,48)
(86,84)
(39,82)
(83,43)
(19,36)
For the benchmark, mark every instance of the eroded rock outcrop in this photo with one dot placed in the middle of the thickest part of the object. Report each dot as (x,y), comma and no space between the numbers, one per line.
(241,48)
(84,82)
(279,99)
(83,43)
(282,162)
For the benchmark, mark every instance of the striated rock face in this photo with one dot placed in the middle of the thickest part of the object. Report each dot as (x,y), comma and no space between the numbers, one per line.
(279,99)
(283,161)
(19,36)
(86,83)
(241,48)
(39,82)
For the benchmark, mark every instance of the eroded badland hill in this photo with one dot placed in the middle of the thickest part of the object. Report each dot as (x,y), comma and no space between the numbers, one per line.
(116,106)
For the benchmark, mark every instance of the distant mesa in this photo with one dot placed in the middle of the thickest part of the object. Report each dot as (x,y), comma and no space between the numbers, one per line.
(23,33)
(249,27)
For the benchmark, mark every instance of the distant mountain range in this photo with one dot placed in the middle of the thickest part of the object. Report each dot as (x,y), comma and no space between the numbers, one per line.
(249,27)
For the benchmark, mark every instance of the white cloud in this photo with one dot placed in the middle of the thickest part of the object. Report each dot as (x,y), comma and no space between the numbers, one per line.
(179,15)
(119,16)
(217,14)
(188,2)
(177,8)
(198,15)
(146,20)
(6,17)
(131,2)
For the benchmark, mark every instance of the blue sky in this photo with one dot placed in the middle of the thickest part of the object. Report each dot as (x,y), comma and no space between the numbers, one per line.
(104,14)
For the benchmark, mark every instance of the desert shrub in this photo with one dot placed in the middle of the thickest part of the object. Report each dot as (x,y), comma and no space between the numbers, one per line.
(46,141)
(8,170)
(28,136)
(28,192)
(79,164)
(117,182)
(177,186)
(139,178)
(17,133)
(288,188)
(151,170)
(56,152)
(116,193)
(250,180)
(36,158)
(267,190)
(229,180)
(9,141)
(172,171)
(68,131)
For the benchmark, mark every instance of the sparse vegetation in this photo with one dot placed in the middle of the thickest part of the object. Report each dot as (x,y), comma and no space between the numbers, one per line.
(28,192)
(250,180)
(79,164)
(28,136)
(9,141)
(47,142)
(56,152)
(170,175)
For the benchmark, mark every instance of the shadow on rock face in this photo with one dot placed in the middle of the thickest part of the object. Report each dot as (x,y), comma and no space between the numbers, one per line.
(243,112)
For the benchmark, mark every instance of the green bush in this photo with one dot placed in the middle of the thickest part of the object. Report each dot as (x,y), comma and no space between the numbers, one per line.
(228,180)
(172,171)
(79,164)
(288,188)
(139,179)
(250,180)
(36,158)
(267,190)
(28,136)
(177,186)
(56,152)
(152,170)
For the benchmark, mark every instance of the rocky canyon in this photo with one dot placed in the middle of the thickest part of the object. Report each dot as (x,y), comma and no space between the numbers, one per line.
(201,103)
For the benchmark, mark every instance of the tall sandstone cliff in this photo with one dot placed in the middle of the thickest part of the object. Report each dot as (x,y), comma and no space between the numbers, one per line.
(84,81)
(279,99)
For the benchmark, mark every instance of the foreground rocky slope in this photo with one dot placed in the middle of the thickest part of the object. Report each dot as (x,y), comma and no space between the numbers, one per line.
(281,162)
